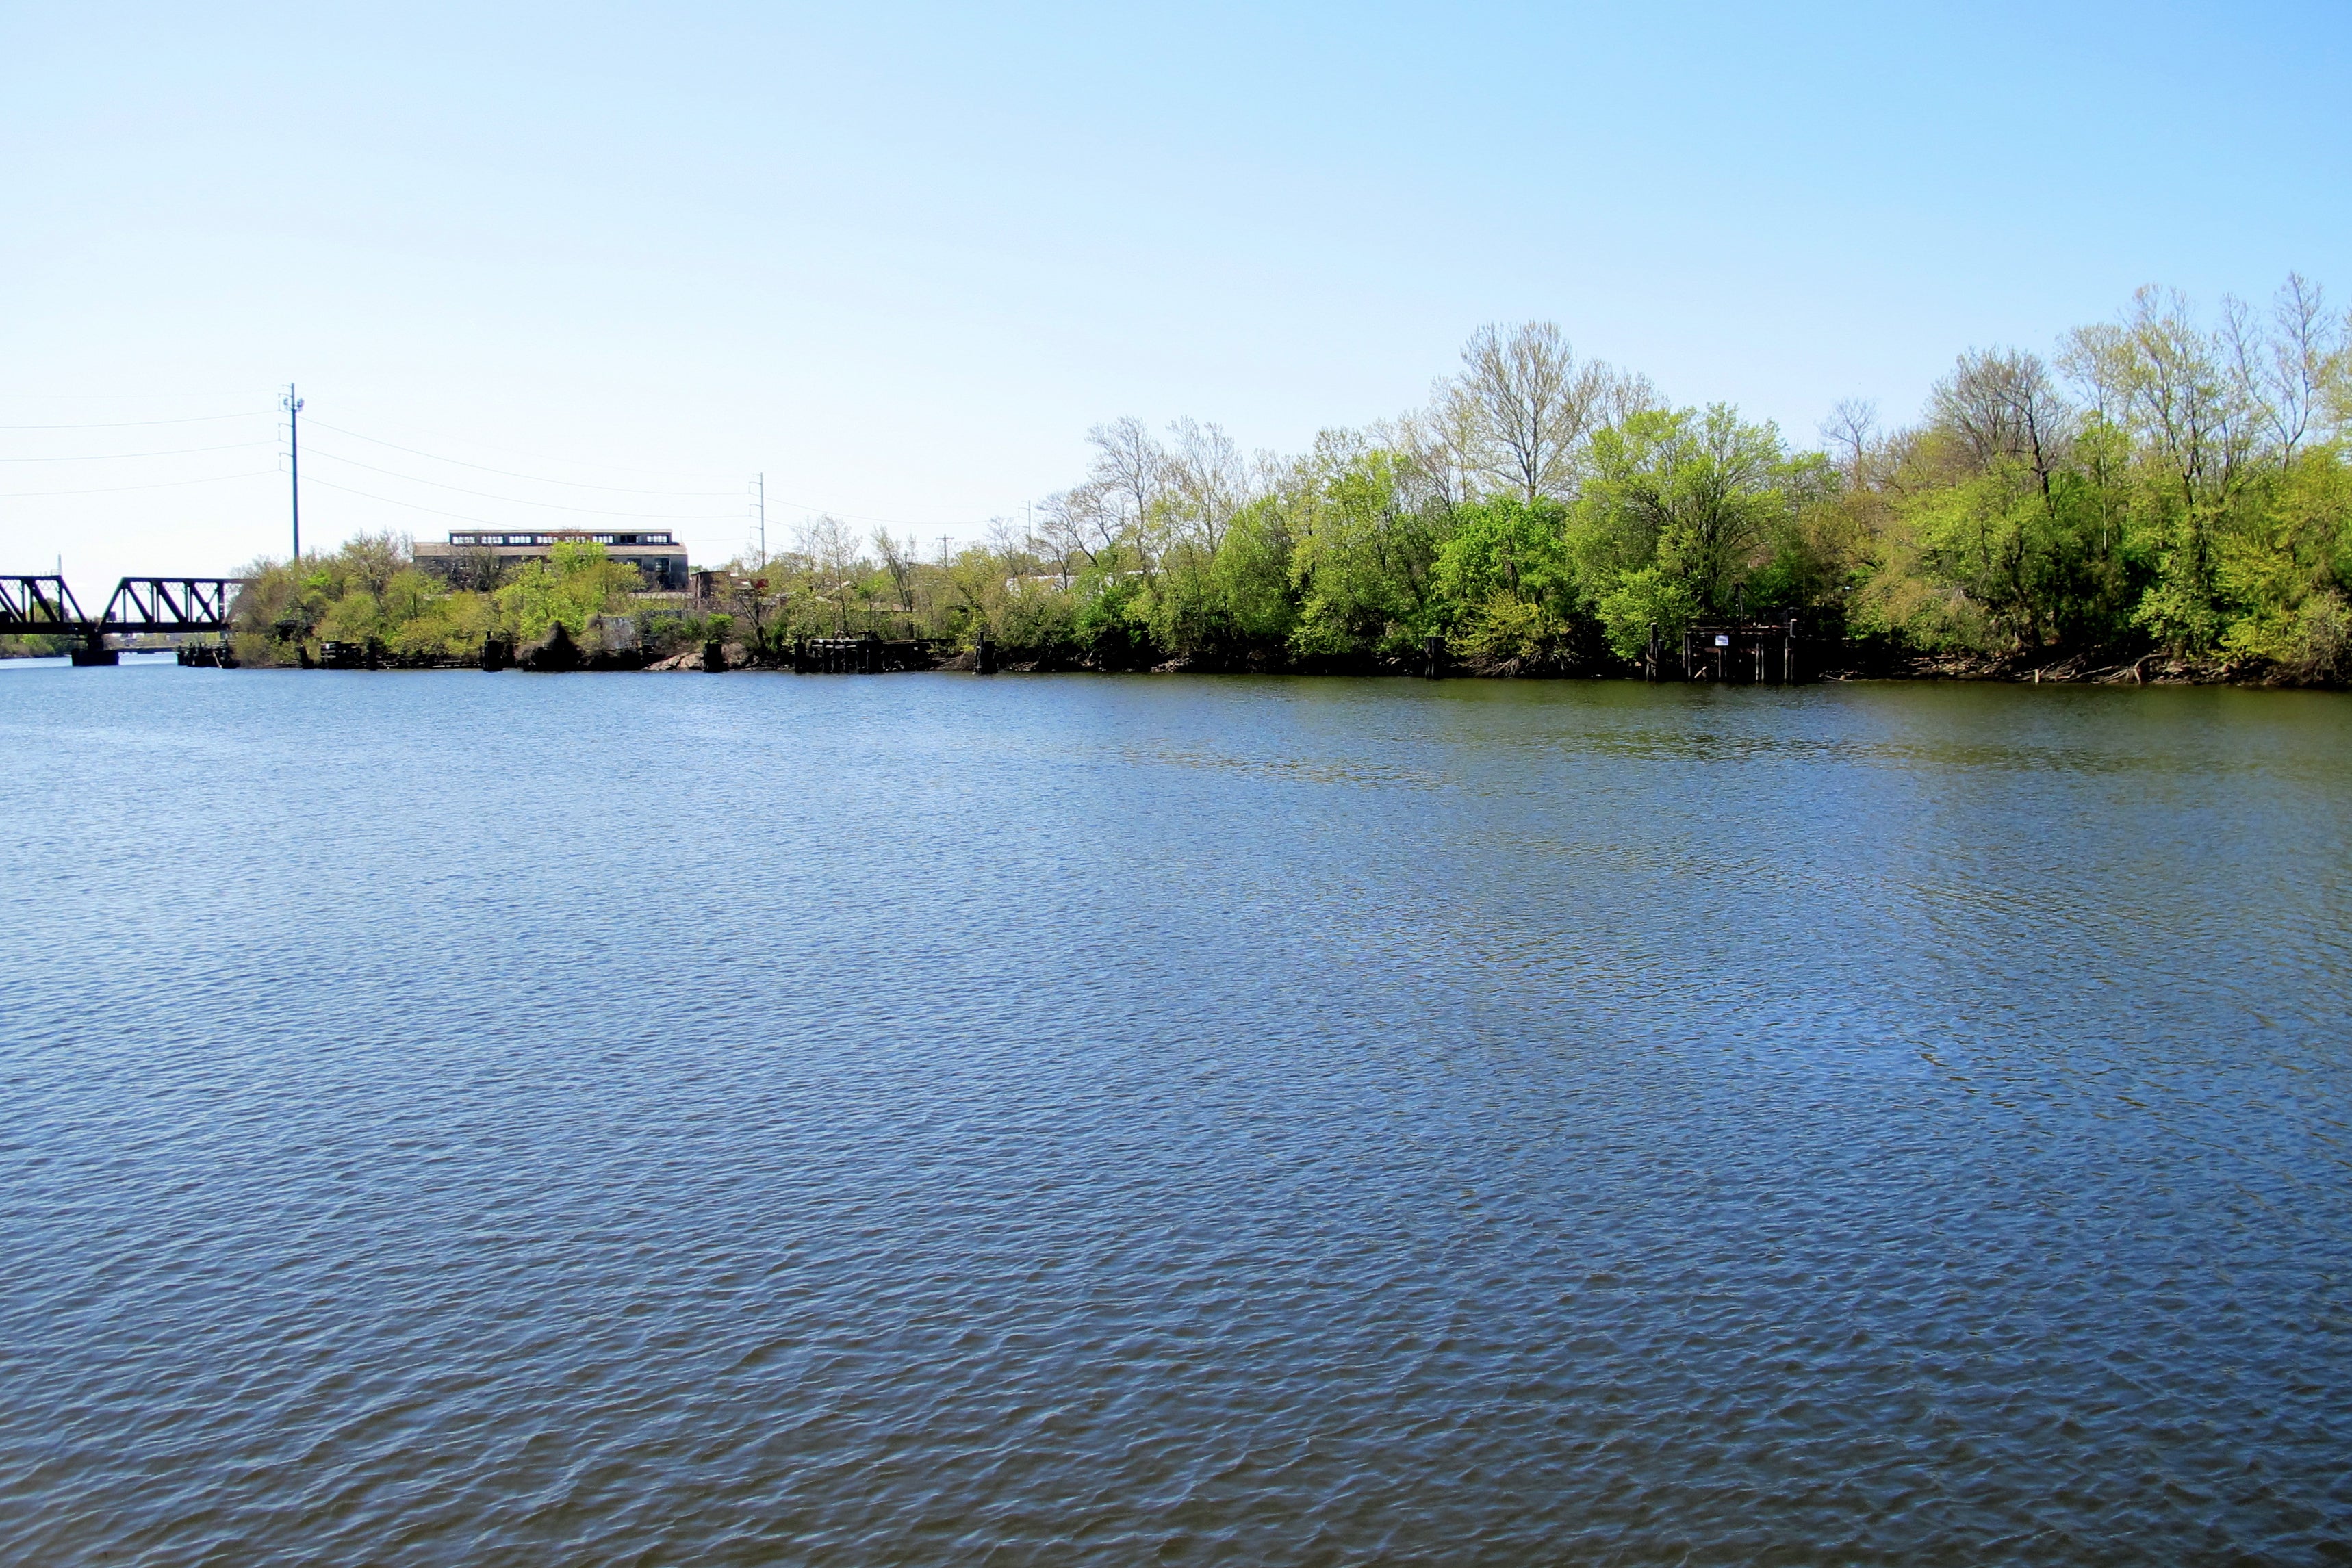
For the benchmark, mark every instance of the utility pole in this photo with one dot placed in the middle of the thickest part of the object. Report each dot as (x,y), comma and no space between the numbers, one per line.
(762,482)
(293,407)
(943,550)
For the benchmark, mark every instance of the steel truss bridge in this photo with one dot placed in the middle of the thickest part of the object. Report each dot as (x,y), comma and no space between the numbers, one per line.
(45,606)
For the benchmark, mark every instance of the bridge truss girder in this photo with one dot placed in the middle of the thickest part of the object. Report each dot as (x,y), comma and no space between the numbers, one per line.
(40,606)
(44,606)
(148,604)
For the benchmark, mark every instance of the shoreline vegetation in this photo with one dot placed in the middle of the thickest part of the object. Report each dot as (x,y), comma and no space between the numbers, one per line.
(2165,499)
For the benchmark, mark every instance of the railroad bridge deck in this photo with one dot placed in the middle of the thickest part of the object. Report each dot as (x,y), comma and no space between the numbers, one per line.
(44,606)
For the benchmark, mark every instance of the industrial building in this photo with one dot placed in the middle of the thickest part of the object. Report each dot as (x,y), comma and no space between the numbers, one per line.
(653,552)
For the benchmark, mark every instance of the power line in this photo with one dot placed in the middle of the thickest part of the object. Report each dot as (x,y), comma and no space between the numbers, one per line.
(410,478)
(119,489)
(887,522)
(412,506)
(507,473)
(118,456)
(141,424)
(586,484)
(419,506)
(601,468)
(517,500)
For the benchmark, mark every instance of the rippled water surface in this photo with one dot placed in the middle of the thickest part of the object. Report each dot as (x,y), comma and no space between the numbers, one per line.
(494,1120)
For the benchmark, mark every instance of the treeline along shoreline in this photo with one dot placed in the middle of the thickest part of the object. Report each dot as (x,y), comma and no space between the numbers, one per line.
(2165,497)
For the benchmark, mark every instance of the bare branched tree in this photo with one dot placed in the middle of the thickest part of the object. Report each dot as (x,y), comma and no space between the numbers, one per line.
(899,560)
(1442,443)
(1207,478)
(2307,351)
(1129,466)
(1518,390)
(2182,390)
(832,554)
(1082,524)
(1852,427)
(2000,404)
(1521,411)
(1622,394)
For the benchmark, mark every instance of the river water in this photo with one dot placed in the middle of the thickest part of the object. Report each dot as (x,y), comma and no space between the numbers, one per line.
(497,1120)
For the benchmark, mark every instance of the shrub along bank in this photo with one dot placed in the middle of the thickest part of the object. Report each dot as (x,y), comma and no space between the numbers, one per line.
(371,594)
(2165,496)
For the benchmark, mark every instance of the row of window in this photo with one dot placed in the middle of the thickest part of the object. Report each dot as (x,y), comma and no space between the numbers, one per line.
(535,539)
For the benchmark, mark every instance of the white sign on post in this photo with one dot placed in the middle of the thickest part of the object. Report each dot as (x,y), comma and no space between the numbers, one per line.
(1721,641)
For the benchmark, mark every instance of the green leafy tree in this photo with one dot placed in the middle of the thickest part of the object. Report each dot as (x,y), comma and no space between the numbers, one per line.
(1696,494)
(1639,601)
(2287,577)
(577,580)
(1365,555)
(1504,580)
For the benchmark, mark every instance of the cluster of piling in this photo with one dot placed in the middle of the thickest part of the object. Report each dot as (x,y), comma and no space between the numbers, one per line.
(1754,653)
(871,655)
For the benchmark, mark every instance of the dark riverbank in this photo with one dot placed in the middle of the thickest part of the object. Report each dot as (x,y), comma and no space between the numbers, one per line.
(2036,667)
(1849,662)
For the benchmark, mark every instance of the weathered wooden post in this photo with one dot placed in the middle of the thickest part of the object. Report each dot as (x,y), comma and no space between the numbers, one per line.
(714,657)
(800,655)
(984,656)
(1433,655)
(1788,651)
(869,654)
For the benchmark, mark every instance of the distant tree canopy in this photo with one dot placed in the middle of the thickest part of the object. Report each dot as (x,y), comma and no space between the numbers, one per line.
(370,588)
(2161,483)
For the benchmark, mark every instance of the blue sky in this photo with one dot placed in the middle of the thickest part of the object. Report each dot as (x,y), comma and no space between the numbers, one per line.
(899,258)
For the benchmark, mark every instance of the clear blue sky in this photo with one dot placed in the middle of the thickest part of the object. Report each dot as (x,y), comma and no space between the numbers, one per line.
(901,257)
